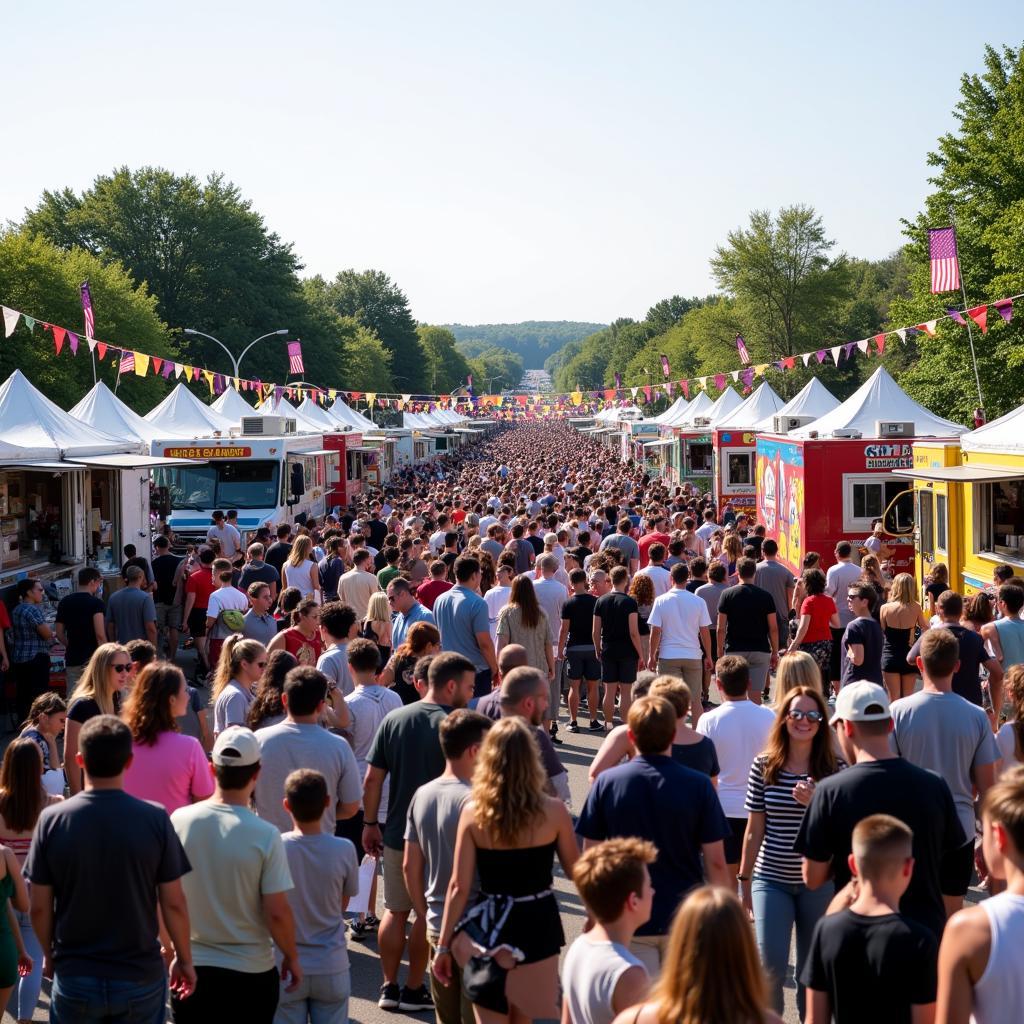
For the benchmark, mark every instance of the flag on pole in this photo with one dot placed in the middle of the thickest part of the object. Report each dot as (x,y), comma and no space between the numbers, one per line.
(295,358)
(741,347)
(127,364)
(90,319)
(944,261)
(665,368)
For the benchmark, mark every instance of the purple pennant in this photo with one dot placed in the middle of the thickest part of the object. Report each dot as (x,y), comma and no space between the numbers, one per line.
(779,364)
(748,377)
(720,381)
(912,332)
(954,315)
(278,395)
(820,355)
(848,348)
(1004,307)
(73,342)
(167,369)
(218,383)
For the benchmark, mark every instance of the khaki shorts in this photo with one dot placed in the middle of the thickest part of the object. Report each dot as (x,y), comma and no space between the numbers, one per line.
(168,616)
(690,670)
(650,951)
(396,895)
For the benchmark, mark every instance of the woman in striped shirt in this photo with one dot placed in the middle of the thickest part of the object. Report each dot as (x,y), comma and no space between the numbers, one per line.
(780,786)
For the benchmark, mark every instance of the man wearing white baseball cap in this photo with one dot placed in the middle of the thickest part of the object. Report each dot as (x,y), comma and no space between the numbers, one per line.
(237,895)
(880,782)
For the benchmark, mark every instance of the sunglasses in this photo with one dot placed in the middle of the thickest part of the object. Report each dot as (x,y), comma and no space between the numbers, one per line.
(391,599)
(261,664)
(796,715)
(122,668)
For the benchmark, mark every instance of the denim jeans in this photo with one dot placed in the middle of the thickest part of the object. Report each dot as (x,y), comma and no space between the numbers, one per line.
(779,906)
(26,990)
(319,999)
(81,999)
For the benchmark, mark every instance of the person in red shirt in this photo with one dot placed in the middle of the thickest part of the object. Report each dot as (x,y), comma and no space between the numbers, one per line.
(198,588)
(459,514)
(430,590)
(818,617)
(657,527)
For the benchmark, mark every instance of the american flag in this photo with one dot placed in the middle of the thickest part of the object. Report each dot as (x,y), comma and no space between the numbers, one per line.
(90,319)
(295,358)
(741,347)
(127,364)
(945,265)
(665,368)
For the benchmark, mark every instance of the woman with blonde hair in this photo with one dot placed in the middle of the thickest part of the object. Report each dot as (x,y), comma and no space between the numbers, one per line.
(376,627)
(797,668)
(241,664)
(798,754)
(871,574)
(641,589)
(899,617)
(522,621)
(732,552)
(508,941)
(711,973)
(98,693)
(300,571)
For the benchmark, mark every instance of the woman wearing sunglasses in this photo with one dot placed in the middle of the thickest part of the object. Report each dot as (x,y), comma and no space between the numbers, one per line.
(234,686)
(98,693)
(782,778)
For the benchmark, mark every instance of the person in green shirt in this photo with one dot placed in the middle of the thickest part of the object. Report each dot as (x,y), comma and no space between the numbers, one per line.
(391,570)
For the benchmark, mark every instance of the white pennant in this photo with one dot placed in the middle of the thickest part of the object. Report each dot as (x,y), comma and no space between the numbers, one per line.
(703,383)
(735,375)
(806,357)
(835,353)
(406,398)
(179,369)
(633,391)
(92,343)
(902,334)
(11,317)
(863,346)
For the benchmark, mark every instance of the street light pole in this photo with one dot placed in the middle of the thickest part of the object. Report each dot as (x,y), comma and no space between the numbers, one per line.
(234,362)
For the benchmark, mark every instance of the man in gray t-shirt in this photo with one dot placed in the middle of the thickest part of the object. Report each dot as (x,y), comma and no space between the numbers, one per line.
(622,541)
(773,576)
(131,614)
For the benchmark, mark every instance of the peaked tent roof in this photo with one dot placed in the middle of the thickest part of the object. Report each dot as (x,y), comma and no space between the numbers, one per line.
(231,404)
(316,414)
(346,414)
(677,408)
(182,415)
(727,402)
(1005,434)
(102,409)
(880,398)
(813,399)
(282,407)
(33,427)
(700,406)
(679,415)
(762,402)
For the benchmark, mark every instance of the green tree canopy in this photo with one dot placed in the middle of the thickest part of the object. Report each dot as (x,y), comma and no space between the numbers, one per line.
(494,369)
(447,368)
(369,362)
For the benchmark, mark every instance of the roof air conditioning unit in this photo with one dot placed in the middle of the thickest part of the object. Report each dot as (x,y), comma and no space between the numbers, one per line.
(702,421)
(267,426)
(784,424)
(894,428)
(847,432)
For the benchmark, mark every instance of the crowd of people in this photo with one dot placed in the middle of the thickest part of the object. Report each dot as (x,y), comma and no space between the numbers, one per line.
(379,698)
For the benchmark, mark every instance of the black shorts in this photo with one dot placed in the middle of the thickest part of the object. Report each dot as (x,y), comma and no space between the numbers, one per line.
(618,670)
(352,830)
(583,663)
(197,622)
(838,653)
(733,845)
(713,653)
(956,870)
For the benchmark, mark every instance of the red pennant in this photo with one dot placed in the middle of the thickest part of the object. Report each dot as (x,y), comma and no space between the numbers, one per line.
(58,338)
(157,363)
(880,343)
(685,385)
(101,348)
(789,362)
(195,373)
(980,316)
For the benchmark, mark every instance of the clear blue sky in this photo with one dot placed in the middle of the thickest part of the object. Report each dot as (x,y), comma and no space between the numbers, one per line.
(556,160)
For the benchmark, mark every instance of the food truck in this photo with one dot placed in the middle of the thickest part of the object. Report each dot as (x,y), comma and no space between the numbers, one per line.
(734,448)
(829,480)
(690,443)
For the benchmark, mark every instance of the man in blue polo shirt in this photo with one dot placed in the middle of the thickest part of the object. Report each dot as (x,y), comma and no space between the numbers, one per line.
(409,611)
(676,808)
(461,618)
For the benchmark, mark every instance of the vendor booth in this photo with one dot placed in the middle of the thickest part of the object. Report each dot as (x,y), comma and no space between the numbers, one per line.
(734,445)
(690,451)
(829,480)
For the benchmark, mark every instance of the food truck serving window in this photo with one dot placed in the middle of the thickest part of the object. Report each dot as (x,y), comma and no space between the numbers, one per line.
(738,468)
(700,456)
(1001,518)
(866,497)
(941,543)
(249,483)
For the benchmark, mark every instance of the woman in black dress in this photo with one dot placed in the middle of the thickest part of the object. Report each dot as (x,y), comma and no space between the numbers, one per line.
(509,939)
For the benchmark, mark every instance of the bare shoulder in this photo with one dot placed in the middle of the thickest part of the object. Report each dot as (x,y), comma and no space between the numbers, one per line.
(968,931)
(644,1015)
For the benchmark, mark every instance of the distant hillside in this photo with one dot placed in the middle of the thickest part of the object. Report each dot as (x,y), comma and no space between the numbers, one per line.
(532,340)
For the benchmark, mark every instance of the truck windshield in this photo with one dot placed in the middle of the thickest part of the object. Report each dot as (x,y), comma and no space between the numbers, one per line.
(246,484)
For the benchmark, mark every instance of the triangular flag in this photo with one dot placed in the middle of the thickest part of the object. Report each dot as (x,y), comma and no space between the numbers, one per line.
(863,345)
(820,355)
(836,351)
(928,328)
(980,316)
(848,348)
(633,392)
(720,381)
(668,388)
(789,362)
(371,397)
(735,376)
(958,317)
(157,363)
(208,376)
(902,335)
(806,357)
(181,368)
(141,364)
(73,342)
(685,385)
(406,398)
(748,378)
(759,370)
(647,393)
(58,338)
(703,381)
(10,320)
(195,374)
(168,369)
(92,344)
(29,322)
(880,343)
(101,349)
(1004,307)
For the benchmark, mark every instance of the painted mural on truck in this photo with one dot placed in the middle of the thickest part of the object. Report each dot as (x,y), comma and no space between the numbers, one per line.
(780,497)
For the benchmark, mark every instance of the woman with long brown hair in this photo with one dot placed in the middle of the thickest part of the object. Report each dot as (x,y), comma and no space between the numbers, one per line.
(167,767)
(98,693)
(642,591)
(871,574)
(302,638)
(523,621)
(711,973)
(422,639)
(509,832)
(22,800)
(1010,738)
(899,617)
(241,664)
(268,708)
(797,756)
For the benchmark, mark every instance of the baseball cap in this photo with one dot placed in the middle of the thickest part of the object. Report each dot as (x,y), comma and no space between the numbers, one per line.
(862,702)
(236,747)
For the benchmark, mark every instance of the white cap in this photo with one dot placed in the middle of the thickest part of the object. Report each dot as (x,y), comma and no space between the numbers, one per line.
(862,701)
(236,747)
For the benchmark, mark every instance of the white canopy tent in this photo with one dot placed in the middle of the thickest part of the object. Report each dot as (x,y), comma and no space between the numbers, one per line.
(675,410)
(102,409)
(282,407)
(700,407)
(727,402)
(763,402)
(231,404)
(344,413)
(813,399)
(34,428)
(1005,434)
(182,415)
(316,414)
(879,398)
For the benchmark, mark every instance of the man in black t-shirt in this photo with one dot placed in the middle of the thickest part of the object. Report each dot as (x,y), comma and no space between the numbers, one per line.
(748,626)
(79,624)
(576,647)
(278,552)
(879,782)
(616,635)
(862,639)
(168,608)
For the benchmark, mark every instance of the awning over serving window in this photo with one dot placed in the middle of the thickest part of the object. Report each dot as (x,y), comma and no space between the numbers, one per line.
(962,474)
(659,442)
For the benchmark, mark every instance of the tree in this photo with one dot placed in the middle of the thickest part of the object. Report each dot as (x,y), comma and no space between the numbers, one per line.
(494,369)
(979,171)
(668,312)
(43,281)
(788,286)
(372,298)
(369,362)
(446,366)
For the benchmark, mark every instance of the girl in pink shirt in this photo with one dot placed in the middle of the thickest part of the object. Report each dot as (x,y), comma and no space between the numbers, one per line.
(167,767)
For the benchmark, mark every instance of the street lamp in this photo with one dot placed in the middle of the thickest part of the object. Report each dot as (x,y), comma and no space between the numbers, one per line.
(488,380)
(235,362)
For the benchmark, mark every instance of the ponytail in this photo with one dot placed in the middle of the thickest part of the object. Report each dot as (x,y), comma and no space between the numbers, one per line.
(236,649)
